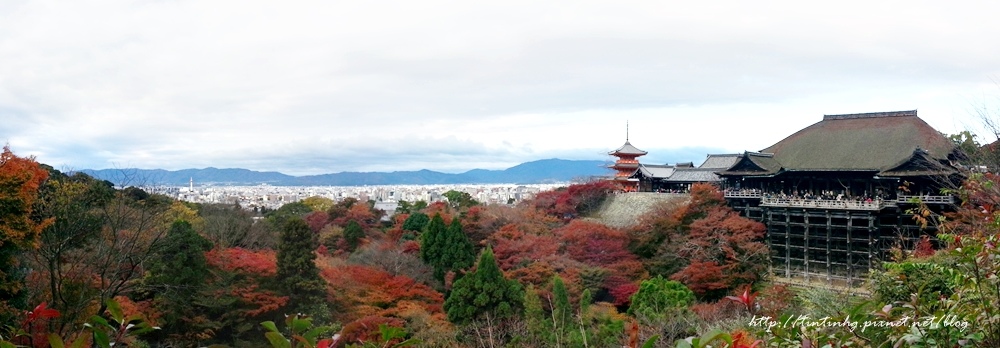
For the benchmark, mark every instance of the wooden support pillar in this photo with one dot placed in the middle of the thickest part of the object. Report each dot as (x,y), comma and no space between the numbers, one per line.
(850,250)
(872,229)
(829,253)
(805,242)
(767,237)
(788,244)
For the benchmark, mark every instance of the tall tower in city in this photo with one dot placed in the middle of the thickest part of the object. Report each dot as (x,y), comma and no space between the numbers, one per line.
(191,185)
(626,164)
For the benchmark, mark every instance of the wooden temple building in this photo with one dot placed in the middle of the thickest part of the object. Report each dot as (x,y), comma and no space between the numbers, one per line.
(834,196)
(679,177)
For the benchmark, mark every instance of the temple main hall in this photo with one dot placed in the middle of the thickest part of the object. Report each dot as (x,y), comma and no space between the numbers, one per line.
(835,196)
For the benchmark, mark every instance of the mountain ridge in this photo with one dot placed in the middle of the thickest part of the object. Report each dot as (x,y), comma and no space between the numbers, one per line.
(534,172)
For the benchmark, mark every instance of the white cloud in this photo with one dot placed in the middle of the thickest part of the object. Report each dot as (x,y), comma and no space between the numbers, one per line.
(311,87)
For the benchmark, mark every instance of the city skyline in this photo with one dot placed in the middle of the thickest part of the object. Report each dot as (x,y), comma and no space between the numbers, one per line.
(308,88)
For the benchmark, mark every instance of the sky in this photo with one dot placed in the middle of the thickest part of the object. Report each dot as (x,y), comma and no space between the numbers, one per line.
(312,87)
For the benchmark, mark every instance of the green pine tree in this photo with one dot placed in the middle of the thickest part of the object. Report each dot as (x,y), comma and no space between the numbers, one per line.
(177,273)
(430,245)
(534,315)
(298,276)
(483,291)
(353,234)
(456,251)
(659,297)
(416,222)
(562,314)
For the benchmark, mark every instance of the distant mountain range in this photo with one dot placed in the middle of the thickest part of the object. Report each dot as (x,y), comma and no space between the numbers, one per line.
(536,172)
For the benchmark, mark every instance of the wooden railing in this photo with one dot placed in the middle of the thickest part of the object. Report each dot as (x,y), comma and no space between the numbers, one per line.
(741,194)
(826,204)
(926,199)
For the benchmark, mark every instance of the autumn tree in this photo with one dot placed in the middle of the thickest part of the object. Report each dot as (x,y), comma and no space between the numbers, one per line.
(241,294)
(73,203)
(134,226)
(20,180)
(297,274)
(483,292)
(318,203)
(725,252)
(574,200)
(393,259)
(229,225)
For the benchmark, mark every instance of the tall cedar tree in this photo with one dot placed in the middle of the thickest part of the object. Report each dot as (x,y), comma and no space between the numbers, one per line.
(534,314)
(353,234)
(457,252)
(298,277)
(430,241)
(562,314)
(178,272)
(483,292)
(20,180)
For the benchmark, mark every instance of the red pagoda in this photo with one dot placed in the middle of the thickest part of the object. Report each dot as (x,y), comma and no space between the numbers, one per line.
(626,165)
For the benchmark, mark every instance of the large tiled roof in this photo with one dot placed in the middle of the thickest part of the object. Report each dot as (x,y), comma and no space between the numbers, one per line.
(722,161)
(693,175)
(871,141)
(627,149)
(655,170)
(753,163)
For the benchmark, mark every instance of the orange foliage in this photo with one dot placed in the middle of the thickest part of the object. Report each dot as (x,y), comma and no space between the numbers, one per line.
(20,179)
(263,301)
(702,277)
(574,200)
(599,245)
(513,247)
(361,213)
(725,253)
(257,262)
(361,291)
(775,300)
(366,329)
(410,247)
(144,309)
(714,312)
(439,208)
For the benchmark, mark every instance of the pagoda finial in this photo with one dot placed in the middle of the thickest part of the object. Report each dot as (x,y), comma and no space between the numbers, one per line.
(626,131)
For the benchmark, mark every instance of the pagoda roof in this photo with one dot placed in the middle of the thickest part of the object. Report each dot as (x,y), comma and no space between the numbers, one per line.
(869,141)
(627,149)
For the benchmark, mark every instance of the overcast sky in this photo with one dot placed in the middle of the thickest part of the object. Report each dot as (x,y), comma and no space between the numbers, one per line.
(310,87)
